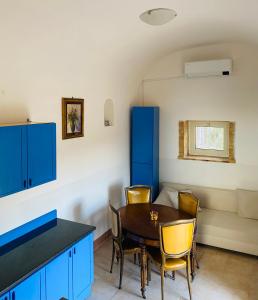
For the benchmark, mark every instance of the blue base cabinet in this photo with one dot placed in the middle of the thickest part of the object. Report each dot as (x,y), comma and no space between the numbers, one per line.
(27,156)
(145,147)
(5,297)
(68,276)
(47,258)
(29,289)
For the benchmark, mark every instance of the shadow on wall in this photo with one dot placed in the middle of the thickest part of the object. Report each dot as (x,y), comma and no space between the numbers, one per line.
(14,112)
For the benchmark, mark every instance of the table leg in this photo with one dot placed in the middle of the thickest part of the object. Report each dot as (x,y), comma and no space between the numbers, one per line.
(143,270)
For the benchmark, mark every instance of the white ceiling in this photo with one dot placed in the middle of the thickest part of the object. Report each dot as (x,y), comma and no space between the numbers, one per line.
(113,28)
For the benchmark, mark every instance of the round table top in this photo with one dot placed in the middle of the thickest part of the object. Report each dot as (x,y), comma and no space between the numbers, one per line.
(136,220)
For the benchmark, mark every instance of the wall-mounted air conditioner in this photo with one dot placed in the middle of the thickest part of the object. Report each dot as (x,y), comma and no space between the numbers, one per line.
(221,67)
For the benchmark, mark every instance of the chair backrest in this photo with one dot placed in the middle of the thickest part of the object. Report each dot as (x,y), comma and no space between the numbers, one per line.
(138,194)
(176,238)
(188,203)
(115,222)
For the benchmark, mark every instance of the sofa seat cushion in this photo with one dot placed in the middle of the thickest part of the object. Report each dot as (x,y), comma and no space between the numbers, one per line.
(227,230)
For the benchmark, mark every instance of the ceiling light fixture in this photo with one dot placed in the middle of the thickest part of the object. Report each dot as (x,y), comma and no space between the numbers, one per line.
(158,16)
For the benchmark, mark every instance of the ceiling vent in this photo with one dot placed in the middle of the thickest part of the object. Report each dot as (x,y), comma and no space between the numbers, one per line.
(221,67)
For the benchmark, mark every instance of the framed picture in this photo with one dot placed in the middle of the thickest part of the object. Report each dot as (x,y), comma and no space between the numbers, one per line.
(72,117)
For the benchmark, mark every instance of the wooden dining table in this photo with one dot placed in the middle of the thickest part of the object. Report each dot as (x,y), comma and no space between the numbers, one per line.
(139,227)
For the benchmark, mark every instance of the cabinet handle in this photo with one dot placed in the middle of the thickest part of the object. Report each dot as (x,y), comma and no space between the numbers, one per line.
(74,250)
(24,183)
(13,295)
(70,254)
(30,182)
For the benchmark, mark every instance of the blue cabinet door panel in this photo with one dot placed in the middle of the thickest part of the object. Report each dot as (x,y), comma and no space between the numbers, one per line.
(41,153)
(82,266)
(5,297)
(13,160)
(141,174)
(142,135)
(29,289)
(57,277)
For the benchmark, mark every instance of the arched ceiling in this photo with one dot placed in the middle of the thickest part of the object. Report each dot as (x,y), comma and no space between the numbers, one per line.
(111,29)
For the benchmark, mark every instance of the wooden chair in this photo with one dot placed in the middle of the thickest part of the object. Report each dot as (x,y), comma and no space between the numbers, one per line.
(176,239)
(121,246)
(138,194)
(188,203)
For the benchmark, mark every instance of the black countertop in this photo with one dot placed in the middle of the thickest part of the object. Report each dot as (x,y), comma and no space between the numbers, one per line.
(24,256)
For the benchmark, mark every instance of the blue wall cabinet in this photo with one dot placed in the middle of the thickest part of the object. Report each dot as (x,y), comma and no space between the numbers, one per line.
(145,147)
(13,159)
(27,156)
(57,277)
(29,289)
(82,268)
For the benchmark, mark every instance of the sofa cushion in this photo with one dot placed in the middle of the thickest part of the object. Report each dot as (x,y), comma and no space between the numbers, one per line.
(169,197)
(227,230)
(210,198)
(247,204)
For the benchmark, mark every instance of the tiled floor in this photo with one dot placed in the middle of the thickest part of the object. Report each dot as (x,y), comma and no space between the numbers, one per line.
(223,276)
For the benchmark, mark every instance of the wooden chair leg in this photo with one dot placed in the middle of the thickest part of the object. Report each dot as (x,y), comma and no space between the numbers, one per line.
(113,256)
(162,283)
(173,277)
(195,255)
(121,268)
(117,256)
(188,275)
(149,271)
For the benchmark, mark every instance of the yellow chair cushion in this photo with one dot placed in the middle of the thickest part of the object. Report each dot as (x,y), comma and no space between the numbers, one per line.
(171,264)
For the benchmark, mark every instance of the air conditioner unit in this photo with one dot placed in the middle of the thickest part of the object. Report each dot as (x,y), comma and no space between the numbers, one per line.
(221,67)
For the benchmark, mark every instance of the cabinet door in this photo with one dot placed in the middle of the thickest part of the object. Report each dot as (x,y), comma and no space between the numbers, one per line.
(141,174)
(57,277)
(5,297)
(13,160)
(29,289)
(142,134)
(41,153)
(82,267)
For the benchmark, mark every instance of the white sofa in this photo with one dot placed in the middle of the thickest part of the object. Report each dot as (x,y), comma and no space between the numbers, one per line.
(228,218)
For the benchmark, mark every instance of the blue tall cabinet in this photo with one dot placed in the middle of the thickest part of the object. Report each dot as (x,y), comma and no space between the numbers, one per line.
(145,147)
(27,156)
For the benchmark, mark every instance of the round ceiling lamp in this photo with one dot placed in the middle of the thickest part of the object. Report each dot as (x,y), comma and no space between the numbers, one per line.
(158,16)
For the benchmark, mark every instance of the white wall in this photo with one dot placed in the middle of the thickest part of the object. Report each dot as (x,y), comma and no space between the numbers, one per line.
(49,51)
(234,98)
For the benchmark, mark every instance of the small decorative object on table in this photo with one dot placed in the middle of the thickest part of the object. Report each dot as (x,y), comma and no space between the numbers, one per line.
(72,117)
(154,215)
